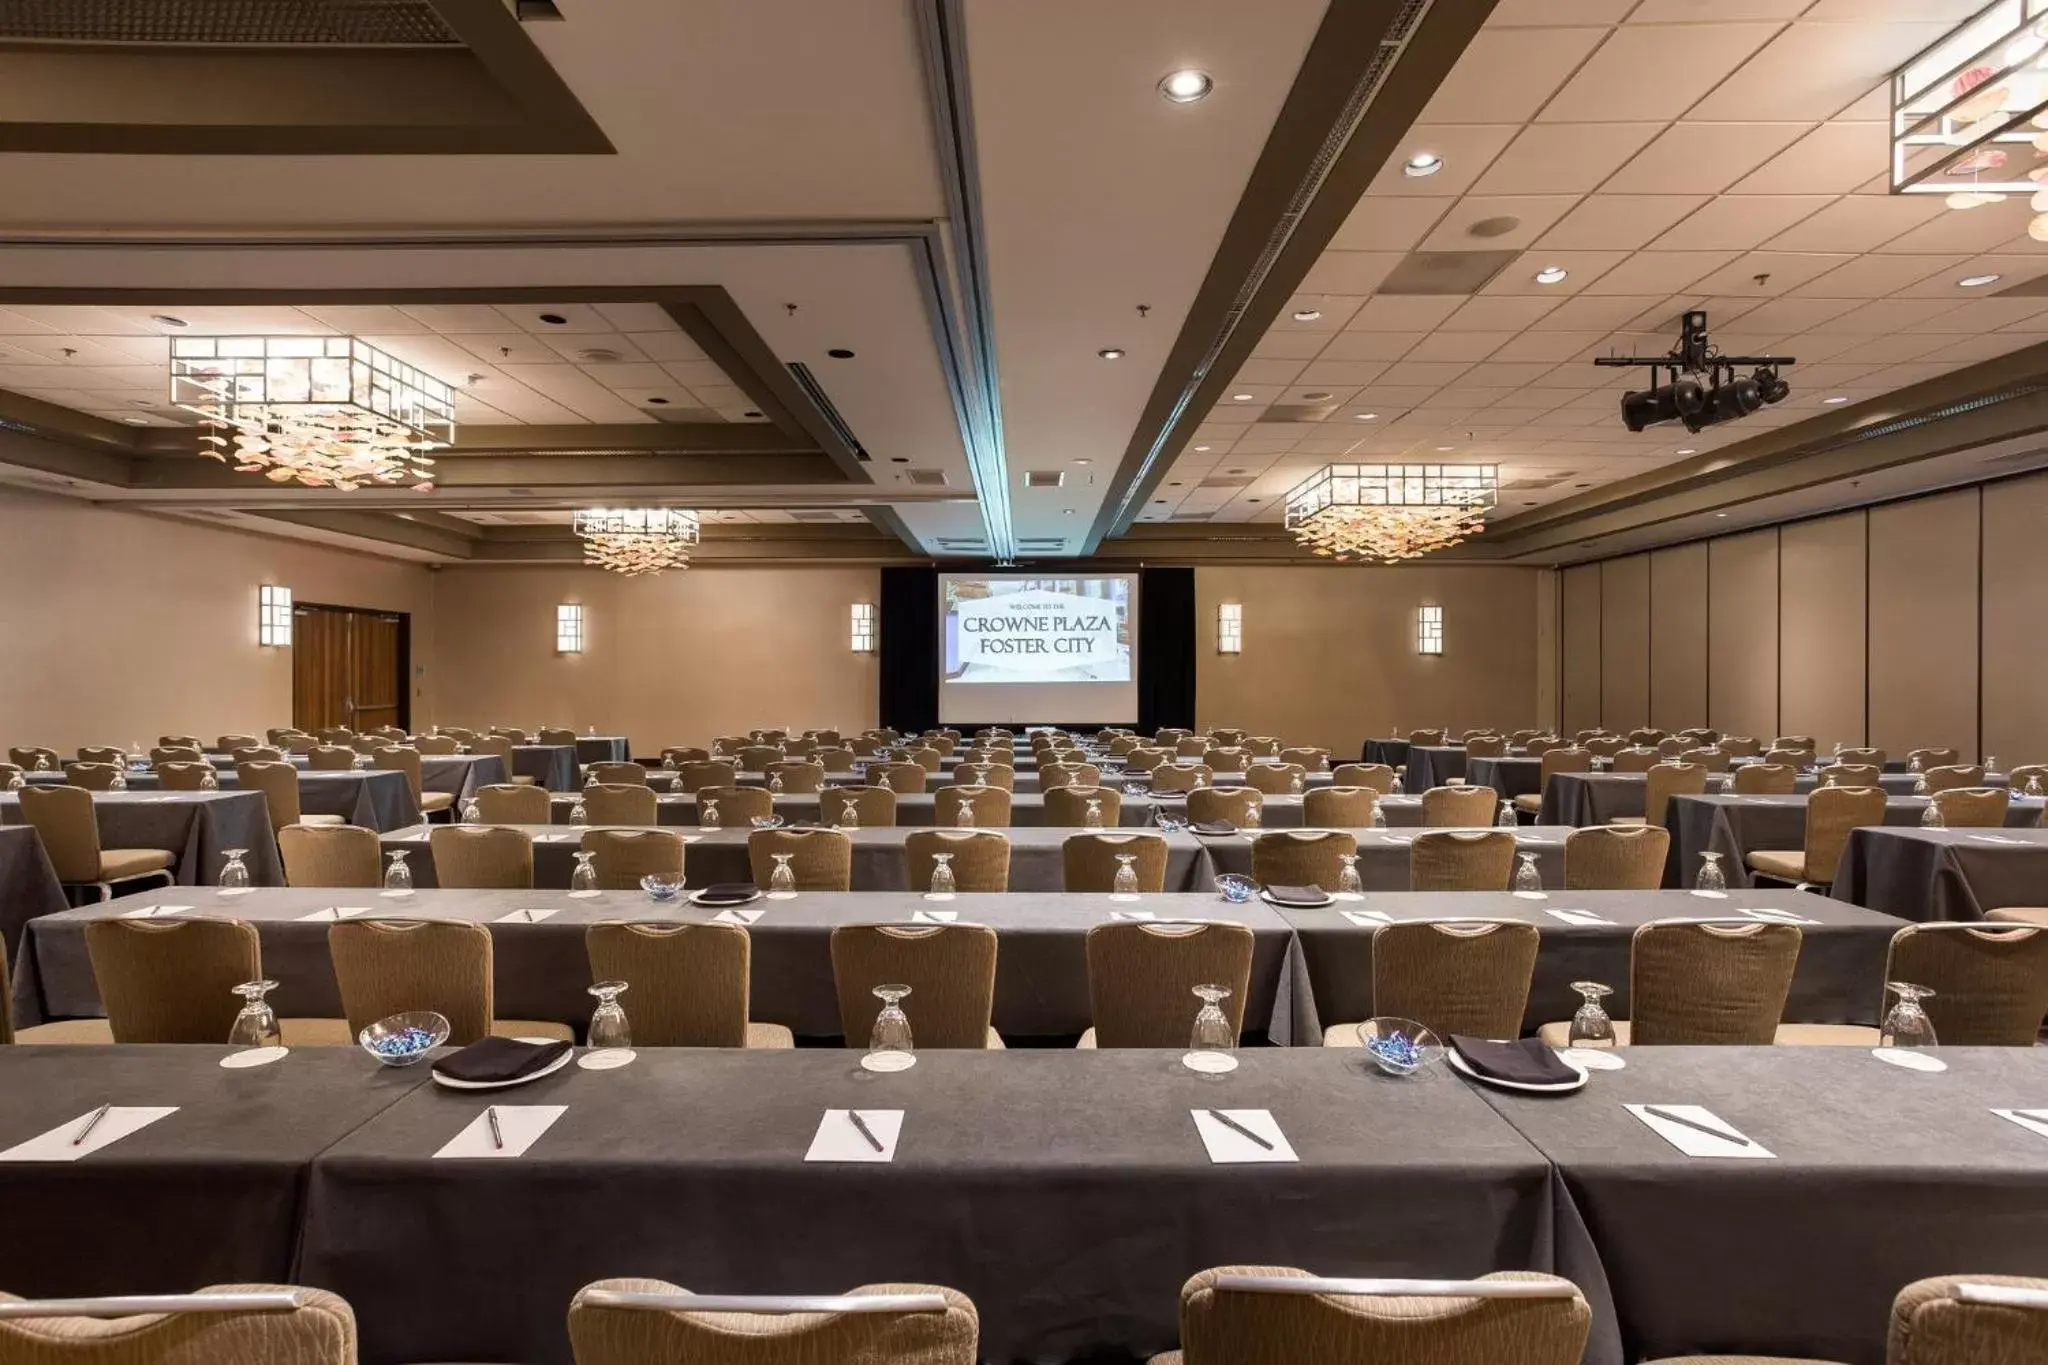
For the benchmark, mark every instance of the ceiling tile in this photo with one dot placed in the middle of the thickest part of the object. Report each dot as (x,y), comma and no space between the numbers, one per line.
(1553,158)
(1659,272)
(1466,346)
(1370,345)
(1892,11)
(1640,73)
(1740,222)
(663,346)
(1467,150)
(1789,317)
(1289,345)
(1878,277)
(1891,315)
(1696,11)
(1332,312)
(1815,70)
(1415,313)
(1780,271)
(1506,74)
(1500,314)
(1588,313)
(1891,349)
(1387,223)
(1581,269)
(1548,13)
(1834,158)
(1859,222)
(1987,228)
(1703,158)
(1619,222)
(1324,373)
(1259,371)
(1546,346)
(1535,214)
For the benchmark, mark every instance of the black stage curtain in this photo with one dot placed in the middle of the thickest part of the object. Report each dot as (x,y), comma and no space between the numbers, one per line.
(910,648)
(1166,648)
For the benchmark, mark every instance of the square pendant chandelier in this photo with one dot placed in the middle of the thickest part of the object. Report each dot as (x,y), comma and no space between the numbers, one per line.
(1386,513)
(1970,113)
(637,540)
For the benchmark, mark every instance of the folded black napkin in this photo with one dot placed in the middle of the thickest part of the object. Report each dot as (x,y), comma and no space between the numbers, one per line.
(499,1059)
(1307,896)
(1213,827)
(727,893)
(1526,1061)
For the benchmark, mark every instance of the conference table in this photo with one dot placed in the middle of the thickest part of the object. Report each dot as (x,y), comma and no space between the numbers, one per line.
(1584,799)
(919,809)
(595,748)
(1392,752)
(374,798)
(1737,825)
(1943,874)
(28,885)
(459,775)
(1433,765)
(1383,854)
(194,827)
(553,766)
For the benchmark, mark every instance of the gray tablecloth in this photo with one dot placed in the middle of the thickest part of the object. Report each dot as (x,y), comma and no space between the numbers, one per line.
(1067,1194)
(878,861)
(1735,826)
(1432,765)
(211,1194)
(28,885)
(1027,809)
(1839,979)
(551,765)
(1511,777)
(1383,855)
(541,970)
(1392,752)
(1944,874)
(194,826)
(603,749)
(1881,1177)
(460,775)
(1587,799)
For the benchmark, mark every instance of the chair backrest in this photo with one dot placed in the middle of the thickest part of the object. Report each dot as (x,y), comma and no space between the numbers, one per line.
(905,779)
(680,754)
(1647,734)
(991,805)
(279,783)
(1227,758)
(497,746)
(1226,735)
(928,758)
(1377,776)
(1338,807)
(1459,807)
(1766,779)
(1849,775)
(1194,746)
(634,1322)
(1831,812)
(950,969)
(1990,981)
(1088,862)
(1471,979)
(1797,758)
(438,744)
(1053,775)
(1258,746)
(980,857)
(1870,757)
(1309,756)
(1974,807)
(1067,807)
(1301,857)
(736,805)
(1235,804)
(1616,858)
(1970,1320)
(1426,738)
(1713,760)
(511,733)
(1611,746)
(872,806)
(1672,748)
(103,753)
(1709,983)
(1275,779)
(507,803)
(1555,761)
(624,856)
(1666,780)
(687,983)
(26,756)
(330,758)
(94,777)
(1538,745)
(481,857)
(386,967)
(172,981)
(257,753)
(554,734)
(1179,777)
(400,758)
(820,859)
(614,773)
(1142,978)
(798,775)
(176,753)
(330,855)
(8,772)
(229,743)
(1486,746)
(460,733)
(1461,860)
(798,748)
(1740,746)
(620,804)
(65,821)
(2024,774)
(1932,758)
(758,758)
(273,1324)
(836,759)
(1146,759)
(336,734)
(1953,776)
(699,774)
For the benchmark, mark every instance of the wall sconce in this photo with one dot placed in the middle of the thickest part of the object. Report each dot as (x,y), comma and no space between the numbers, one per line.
(1230,628)
(864,628)
(274,616)
(569,628)
(1429,630)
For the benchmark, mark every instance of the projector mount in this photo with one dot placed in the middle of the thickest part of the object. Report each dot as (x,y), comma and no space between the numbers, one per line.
(1704,388)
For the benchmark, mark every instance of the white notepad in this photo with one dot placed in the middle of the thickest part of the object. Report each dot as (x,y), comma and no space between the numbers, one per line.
(57,1145)
(1367,919)
(1132,914)
(2033,1120)
(532,915)
(1692,1141)
(1583,919)
(154,911)
(1770,915)
(838,1140)
(333,913)
(934,916)
(1228,1147)
(520,1125)
(743,918)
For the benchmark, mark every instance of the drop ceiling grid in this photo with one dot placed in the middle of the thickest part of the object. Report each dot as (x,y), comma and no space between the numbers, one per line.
(1659,190)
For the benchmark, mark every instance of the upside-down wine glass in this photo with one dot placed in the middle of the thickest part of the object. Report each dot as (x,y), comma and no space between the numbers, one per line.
(782,881)
(397,876)
(1092,817)
(256,1024)
(1349,887)
(890,1047)
(707,815)
(584,878)
(234,873)
(1528,880)
(608,1027)
(1506,818)
(1711,877)
(1124,887)
(1590,1026)
(943,885)
(1907,1025)
(1212,1042)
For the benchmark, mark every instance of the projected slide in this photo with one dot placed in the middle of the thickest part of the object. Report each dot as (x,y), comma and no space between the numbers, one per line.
(1036,648)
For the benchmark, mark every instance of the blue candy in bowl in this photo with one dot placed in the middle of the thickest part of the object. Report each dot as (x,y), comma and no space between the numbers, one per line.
(1235,889)
(767,822)
(1399,1047)
(660,888)
(402,1039)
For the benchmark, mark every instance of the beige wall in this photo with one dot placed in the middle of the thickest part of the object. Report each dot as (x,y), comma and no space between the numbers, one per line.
(1678,636)
(1329,653)
(1924,559)
(121,626)
(1821,649)
(672,659)
(1579,704)
(1625,642)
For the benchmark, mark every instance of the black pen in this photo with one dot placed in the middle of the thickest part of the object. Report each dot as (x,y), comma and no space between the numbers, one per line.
(85,1129)
(1233,1124)
(1697,1126)
(865,1131)
(497,1133)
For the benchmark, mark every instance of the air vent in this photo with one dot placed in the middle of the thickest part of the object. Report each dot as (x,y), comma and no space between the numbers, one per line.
(1044,478)
(1226,481)
(1447,272)
(813,516)
(1190,516)
(1536,485)
(1297,412)
(808,382)
(290,23)
(926,478)
(598,355)
(965,543)
(1042,543)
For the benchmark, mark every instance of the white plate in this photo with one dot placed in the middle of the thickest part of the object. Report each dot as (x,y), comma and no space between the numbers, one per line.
(1459,1065)
(697,899)
(568,1055)
(1324,903)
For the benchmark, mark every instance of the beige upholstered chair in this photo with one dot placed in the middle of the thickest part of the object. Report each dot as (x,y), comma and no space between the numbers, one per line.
(1831,812)
(1739,746)
(1226,735)
(987,775)
(799,777)
(1459,807)
(8,772)
(227,744)
(502,747)
(950,969)
(1228,759)
(613,773)
(481,857)
(679,754)
(798,748)
(1873,758)
(225,1324)
(1793,742)
(1990,980)
(1239,805)
(1377,776)
(872,806)
(1932,758)
(387,966)
(1301,857)
(1194,746)
(407,761)
(1142,979)
(1262,746)
(331,758)
(736,805)
(93,777)
(1616,858)
(1796,758)
(1175,777)
(1952,777)
(1538,745)
(69,827)
(624,856)
(2024,775)
(460,734)
(173,981)
(1625,760)
(905,779)
(1146,759)
(1692,983)
(257,753)
(365,744)
(1338,807)
(1660,784)
(1672,748)
(1171,735)
(1647,734)
(1053,775)
(1311,758)
(176,753)
(1970,1320)
(1713,760)
(622,804)
(1461,860)
(1553,762)
(180,742)
(1426,738)
(729,746)
(991,805)
(759,758)
(1088,862)
(103,753)
(1766,779)
(279,783)
(637,1322)
(1067,807)
(835,759)
(1973,807)
(1850,775)
(980,857)
(504,803)
(1486,746)
(696,775)
(820,859)
(687,983)
(26,757)
(438,745)
(928,758)
(1466,978)
(555,734)
(511,734)
(330,855)
(1275,779)
(1607,746)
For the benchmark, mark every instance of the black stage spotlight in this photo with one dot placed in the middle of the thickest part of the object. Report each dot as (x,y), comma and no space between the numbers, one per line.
(1771,386)
(1736,398)
(1705,388)
(1677,401)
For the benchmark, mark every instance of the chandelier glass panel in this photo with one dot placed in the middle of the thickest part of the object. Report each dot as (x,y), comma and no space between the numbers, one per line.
(1970,113)
(1385,513)
(637,540)
(329,412)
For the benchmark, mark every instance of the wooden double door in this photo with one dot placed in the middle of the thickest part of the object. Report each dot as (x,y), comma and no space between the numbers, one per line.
(349,668)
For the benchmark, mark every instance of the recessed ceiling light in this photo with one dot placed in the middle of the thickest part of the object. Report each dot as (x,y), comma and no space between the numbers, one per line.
(658,401)
(1185,87)
(1066,511)
(1423,163)
(1366,416)
(136,421)
(840,353)
(1688,451)
(1720,514)
(554,319)
(1445,450)
(1083,459)
(1240,398)
(1307,314)
(1111,353)
(1317,396)
(751,412)
(1978,281)
(167,320)
(1552,274)
(1837,399)
(1200,449)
